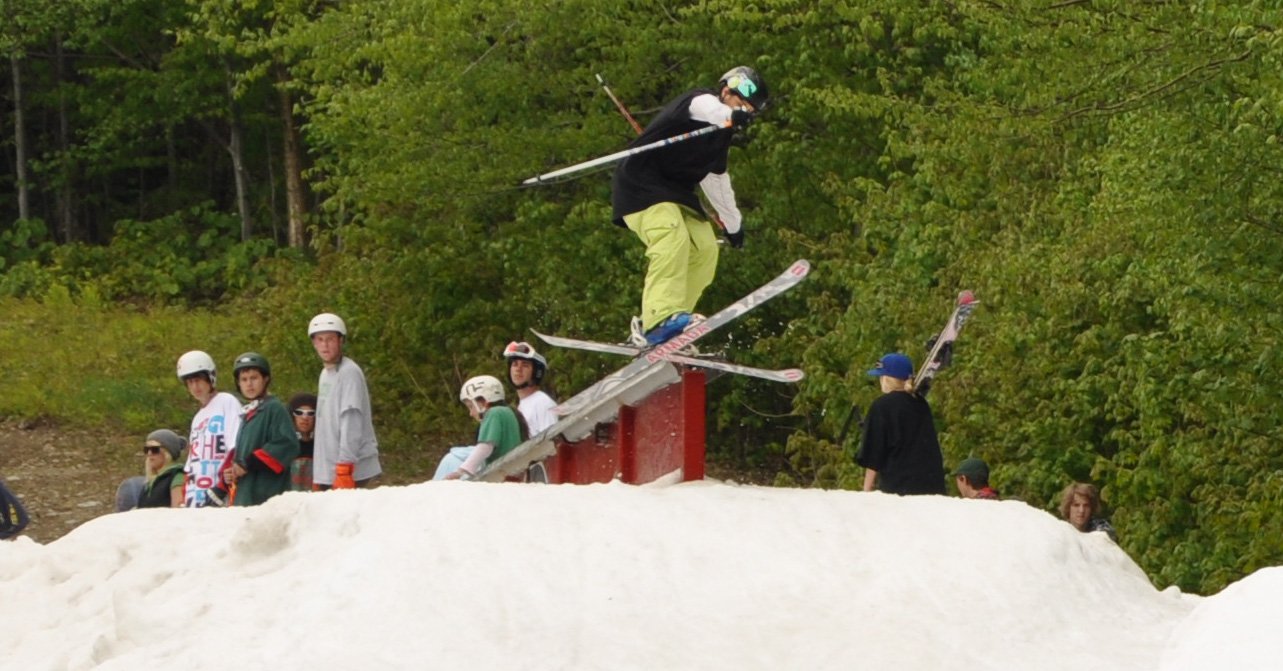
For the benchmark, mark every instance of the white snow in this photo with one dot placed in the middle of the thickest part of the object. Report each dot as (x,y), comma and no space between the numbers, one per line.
(457,575)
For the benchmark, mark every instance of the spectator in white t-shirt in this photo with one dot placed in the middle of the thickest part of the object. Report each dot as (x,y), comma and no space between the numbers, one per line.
(526,371)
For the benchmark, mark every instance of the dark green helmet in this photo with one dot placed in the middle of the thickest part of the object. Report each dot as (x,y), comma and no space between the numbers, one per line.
(252,360)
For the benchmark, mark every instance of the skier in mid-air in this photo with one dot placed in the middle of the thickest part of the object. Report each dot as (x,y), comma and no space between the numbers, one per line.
(653,194)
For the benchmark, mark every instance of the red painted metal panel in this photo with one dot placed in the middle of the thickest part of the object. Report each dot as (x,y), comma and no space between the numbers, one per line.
(664,433)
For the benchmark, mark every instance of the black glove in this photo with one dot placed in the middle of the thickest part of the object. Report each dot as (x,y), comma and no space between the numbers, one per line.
(740,118)
(736,239)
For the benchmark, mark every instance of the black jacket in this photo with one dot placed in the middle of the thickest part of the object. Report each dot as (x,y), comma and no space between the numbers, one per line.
(669,174)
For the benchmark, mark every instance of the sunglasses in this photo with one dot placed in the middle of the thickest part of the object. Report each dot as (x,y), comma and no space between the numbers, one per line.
(304,413)
(152,449)
(743,86)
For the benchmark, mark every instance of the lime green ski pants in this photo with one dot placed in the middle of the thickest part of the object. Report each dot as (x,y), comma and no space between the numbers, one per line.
(681,254)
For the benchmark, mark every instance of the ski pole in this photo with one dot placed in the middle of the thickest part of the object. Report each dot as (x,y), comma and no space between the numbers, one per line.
(622,110)
(711,211)
(620,155)
(846,426)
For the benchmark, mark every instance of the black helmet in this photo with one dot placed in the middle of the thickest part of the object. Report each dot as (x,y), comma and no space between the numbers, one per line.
(749,85)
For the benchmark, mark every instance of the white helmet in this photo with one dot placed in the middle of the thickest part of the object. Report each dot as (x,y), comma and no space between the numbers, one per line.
(326,322)
(195,362)
(487,387)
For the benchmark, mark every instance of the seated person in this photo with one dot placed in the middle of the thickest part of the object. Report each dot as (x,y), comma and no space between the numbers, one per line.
(164,487)
(501,430)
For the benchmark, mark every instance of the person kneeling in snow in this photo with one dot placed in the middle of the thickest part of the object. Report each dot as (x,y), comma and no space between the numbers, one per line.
(501,430)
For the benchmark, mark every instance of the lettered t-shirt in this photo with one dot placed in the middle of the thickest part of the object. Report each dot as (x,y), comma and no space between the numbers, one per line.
(212,438)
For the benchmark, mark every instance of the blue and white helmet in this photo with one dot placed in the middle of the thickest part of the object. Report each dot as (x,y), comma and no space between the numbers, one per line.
(524,350)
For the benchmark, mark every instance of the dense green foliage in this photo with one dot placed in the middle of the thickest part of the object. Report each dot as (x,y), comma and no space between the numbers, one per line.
(1103,174)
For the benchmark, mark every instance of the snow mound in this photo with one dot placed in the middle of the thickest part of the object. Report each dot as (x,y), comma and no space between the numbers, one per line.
(695,576)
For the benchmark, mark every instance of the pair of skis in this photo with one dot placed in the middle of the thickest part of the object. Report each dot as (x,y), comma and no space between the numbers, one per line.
(939,355)
(940,347)
(783,375)
(670,351)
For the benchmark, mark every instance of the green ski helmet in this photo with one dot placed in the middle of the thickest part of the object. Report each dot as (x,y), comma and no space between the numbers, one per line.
(252,360)
(749,85)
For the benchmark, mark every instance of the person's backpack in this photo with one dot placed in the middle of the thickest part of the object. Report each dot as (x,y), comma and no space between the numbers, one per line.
(13,517)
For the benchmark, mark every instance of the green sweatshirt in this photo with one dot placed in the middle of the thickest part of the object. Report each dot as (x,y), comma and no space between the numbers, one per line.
(265,446)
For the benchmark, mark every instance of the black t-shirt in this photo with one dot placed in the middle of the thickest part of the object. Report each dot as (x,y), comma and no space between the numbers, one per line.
(669,174)
(900,443)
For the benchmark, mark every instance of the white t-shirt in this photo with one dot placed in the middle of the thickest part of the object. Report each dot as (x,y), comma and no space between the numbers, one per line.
(537,409)
(344,432)
(212,438)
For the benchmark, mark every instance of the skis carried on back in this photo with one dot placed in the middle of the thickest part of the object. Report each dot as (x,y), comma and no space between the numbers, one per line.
(783,375)
(665,352)
(940,347)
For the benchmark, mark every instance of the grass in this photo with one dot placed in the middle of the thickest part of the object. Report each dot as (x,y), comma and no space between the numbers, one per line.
(82,364)
(85,364)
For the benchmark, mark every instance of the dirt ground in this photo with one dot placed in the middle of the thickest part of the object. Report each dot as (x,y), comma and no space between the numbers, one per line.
(64,477)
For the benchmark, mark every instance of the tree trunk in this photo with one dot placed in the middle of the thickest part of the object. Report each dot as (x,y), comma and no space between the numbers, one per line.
(66,222)
(20,141)
(171,158)
(295,197)
(236,149)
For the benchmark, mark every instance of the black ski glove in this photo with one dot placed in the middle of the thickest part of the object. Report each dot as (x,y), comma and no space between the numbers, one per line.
(740,118)
(736,239)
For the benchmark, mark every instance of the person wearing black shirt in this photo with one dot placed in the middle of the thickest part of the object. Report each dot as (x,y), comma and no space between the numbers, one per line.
(900,450)
(653,194)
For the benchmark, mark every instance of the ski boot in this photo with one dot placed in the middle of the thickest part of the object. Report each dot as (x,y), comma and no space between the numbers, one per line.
(672,327)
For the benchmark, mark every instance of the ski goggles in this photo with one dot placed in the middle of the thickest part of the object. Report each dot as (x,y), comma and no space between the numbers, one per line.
(742,85)
(517,348)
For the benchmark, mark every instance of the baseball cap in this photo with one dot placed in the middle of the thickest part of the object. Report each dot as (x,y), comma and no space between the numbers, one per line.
(972,468)
(894,365)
